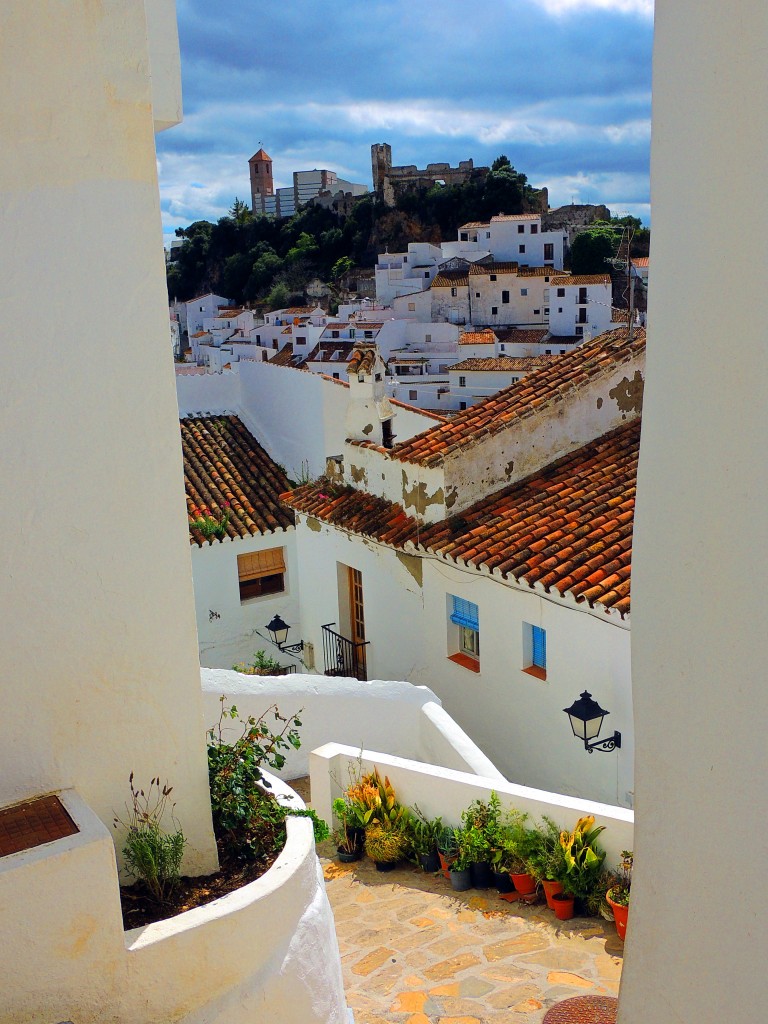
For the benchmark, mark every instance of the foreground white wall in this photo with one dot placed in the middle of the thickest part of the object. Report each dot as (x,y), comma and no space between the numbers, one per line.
(700,644)
(267,951)
(99,660)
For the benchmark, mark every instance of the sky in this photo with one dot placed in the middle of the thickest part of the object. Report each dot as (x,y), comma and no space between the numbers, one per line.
(561,87)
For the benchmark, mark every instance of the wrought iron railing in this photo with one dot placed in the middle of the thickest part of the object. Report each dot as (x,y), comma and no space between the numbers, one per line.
(342,656)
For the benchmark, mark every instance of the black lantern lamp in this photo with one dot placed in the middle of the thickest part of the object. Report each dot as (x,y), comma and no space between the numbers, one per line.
(278,631)
(586,717)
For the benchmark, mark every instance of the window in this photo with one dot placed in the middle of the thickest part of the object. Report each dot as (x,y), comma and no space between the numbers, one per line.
(462,406)
(579,332)
(523,291)
(412,395)
(493,277)
(454,293)
(388,436)
(335,376)
(352,332)
(559,309)
(549,250)
(334,334)
(462,382)
(427,337)
(301,341)
(561,293)
(411,307)
(426,273)
(504,298)
(547,351)
(463,633)
(546,311)
(514,380)
(562,351)
(534,650)
(367,334)
(464,237)
(261,572)
(536,312)
(494,310)
(487,234)
(534,229)
(477,295)
(502,347)
(521,248)
(520,229)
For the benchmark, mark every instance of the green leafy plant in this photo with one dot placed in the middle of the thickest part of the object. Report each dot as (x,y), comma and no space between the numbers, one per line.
(546,858)
(385,841)
(247,819)
(213,526)
(481,823)
(446,841)
(464,851)
(620,891)
(583,858)
(152,854)
(261,665)
(423,832)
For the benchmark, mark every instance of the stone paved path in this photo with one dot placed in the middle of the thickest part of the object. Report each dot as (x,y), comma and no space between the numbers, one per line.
(415,952)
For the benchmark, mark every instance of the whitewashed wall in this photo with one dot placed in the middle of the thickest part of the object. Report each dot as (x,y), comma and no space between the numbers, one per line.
(228,630)
(599,311)
(200,394)
(397,717)
(69,957)
(515,718)
(701,533)
(444,792)
(98,609)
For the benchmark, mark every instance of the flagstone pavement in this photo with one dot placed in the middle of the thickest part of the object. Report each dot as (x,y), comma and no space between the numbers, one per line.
(413,951)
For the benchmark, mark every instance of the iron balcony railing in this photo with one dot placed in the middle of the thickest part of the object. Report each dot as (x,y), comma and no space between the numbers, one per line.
(342,656)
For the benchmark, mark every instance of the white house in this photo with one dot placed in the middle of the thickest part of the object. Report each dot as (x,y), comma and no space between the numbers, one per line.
(519,237)
(400,273)
(202,308)
(475,379)
(580,305)
(469,540)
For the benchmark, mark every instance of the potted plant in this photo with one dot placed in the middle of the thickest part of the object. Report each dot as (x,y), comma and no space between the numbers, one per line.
(546,861)
(480,823)
(385,844)
(459,873)
(520,844)
(583,862)
(617,897)
(423,834)
(349,836)
(446,848)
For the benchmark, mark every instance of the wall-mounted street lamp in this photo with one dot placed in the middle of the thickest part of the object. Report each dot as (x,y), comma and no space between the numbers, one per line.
(586,717)
(278,631)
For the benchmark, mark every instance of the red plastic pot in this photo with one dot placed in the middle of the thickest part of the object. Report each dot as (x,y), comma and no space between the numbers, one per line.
(620,915)
(550,888)
(525,884)
(445,863)
(563,906)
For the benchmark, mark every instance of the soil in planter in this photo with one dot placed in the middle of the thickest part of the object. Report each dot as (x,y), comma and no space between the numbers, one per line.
(140,909)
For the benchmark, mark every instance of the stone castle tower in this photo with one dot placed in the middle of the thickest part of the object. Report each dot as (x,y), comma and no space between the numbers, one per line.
(381,164)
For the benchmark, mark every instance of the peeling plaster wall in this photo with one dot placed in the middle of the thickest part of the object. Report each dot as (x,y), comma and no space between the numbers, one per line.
(545,435)
(404,484)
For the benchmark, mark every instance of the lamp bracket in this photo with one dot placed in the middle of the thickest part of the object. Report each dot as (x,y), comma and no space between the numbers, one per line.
(606,745)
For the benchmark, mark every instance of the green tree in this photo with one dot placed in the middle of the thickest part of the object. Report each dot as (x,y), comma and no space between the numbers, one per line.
(591,248)
(240,212)
(341,267)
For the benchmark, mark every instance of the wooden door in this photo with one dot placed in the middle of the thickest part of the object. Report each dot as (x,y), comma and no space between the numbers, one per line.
(357,620)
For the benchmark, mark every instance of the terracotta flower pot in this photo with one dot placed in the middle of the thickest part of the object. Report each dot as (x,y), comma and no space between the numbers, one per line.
(620,915)
(524,883)
(550,888)
(445,863)
(563,906)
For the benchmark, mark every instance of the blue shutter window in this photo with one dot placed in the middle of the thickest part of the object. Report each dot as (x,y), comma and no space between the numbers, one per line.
(539,646)
(465,613)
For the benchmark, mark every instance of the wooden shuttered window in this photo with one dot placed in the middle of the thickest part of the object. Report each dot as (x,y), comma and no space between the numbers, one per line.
(261,572)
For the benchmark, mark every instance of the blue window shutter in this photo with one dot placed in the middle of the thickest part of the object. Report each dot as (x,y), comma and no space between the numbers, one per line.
(539,645)
(465,613)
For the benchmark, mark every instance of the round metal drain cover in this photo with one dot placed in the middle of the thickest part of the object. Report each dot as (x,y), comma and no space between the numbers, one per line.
(583,1010)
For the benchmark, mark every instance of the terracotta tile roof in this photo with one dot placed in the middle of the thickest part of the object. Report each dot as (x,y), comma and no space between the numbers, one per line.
(408,360)
(515,216)
(522,335)
(223,462)
(228,312)
(486,337)
(284,357)
(362,359)
(260,155)
(485,269)
(511,363)
(567,528)
(363,325)
(449,279)
(548,384)
(324,351)
(475,224)
(540,272)
(640,261)
(562,281)
(619,316)
(287,330)
(298,310)
(354,510)
(339,326)
(430,413)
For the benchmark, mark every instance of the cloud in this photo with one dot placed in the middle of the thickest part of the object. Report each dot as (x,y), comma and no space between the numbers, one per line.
(562,7)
